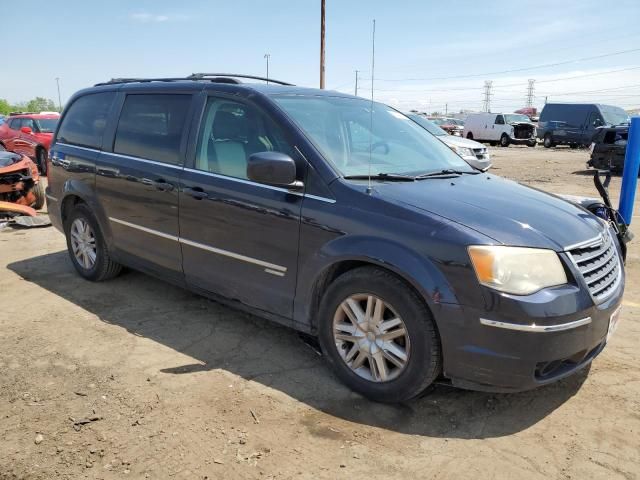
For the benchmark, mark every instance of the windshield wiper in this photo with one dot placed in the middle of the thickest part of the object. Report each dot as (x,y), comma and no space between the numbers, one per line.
(447,172)
(393,177)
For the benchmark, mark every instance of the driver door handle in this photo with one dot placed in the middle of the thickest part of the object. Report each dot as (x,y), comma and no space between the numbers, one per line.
(196,192)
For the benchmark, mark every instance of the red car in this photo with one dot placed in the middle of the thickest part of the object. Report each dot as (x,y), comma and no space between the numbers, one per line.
(29,134)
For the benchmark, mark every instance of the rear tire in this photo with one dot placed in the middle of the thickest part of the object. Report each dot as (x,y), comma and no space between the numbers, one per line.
(86,246)
(380,369)
(504,140)
(548,141)
(38,191)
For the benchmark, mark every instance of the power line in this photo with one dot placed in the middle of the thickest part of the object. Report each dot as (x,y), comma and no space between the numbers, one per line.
(497,87)
(595,91)
(523,69)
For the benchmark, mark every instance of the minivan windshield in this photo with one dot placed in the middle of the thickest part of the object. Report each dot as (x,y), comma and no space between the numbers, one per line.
(357,140)
(516,117)
(614,115)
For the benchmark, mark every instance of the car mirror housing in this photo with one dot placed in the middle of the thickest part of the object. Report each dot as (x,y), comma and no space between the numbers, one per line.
(273,168)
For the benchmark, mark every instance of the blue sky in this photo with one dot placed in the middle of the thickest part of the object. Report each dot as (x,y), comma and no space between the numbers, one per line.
(418,43)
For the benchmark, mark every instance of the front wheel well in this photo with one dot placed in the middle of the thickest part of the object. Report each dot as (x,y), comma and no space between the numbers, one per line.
(331,274)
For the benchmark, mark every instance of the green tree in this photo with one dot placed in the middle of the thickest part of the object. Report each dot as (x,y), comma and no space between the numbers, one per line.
(41,104)
(5,107)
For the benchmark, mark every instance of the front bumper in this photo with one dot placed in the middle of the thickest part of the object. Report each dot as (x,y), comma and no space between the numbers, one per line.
(518,344)
(482,163)
(53,209)
(523,141)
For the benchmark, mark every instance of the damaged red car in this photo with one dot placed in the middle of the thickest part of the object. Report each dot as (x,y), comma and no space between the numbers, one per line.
(29,134)
(21,190)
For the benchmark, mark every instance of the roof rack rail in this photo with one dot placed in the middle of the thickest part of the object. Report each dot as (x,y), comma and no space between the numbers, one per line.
(208,76)
(212,77)
(115,81)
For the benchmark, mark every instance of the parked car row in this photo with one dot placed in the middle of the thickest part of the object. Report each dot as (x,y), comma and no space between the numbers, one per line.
(29,134)
(452,126)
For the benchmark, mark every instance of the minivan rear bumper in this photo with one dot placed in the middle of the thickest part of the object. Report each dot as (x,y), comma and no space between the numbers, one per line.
(485,352)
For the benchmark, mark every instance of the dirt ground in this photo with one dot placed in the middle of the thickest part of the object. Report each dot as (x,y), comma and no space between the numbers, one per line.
(135,378)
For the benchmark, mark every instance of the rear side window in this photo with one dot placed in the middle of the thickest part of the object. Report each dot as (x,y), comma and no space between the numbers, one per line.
(15,124)
(86,120)
(151,127)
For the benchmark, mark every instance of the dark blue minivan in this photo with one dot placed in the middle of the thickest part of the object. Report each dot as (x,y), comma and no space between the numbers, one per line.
(339,217)
(576,124)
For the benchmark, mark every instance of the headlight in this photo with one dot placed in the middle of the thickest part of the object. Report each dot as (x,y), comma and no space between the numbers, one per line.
(463,152)
(517,270)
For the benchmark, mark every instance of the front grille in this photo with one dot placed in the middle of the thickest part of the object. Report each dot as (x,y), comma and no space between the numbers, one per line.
(599,265)
(480,153)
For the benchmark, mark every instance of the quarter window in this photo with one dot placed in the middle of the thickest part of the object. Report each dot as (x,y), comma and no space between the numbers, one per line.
(86,120)
(230,133)
(151,126)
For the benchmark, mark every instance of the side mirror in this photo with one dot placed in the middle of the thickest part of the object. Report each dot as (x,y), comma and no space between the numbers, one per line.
(26,130)
(273,168)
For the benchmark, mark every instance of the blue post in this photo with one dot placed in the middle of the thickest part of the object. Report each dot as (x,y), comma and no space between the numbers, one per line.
(630,172)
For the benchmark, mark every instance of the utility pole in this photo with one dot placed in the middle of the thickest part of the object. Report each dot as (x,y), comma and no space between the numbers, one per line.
(357,71)
(267,56)
(486,103)
(446,109)
(530,90)
(59,100)
(322,44)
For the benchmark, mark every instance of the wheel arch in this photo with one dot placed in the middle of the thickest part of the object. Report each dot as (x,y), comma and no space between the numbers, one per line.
(416,271)
(77,192)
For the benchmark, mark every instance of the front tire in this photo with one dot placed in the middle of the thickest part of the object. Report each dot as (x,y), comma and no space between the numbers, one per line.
(86,246)
(548,141)
(378,335)
(531,143)
(504,140)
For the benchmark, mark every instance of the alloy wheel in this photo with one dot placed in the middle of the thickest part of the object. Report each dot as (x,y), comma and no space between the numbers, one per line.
(371,338)
(83,243)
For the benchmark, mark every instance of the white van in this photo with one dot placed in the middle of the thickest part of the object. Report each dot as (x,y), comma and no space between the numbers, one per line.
(502,128)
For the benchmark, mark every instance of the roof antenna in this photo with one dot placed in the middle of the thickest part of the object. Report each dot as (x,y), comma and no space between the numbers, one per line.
(373,66)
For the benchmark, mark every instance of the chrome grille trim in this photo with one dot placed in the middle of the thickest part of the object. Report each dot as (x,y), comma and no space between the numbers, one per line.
(598,262)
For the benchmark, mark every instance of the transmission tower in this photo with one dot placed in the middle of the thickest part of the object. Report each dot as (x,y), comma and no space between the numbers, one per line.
(486,103)
(530,90)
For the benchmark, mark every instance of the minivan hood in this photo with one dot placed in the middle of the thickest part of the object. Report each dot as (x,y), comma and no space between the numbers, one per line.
(460,141)
(507,212)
